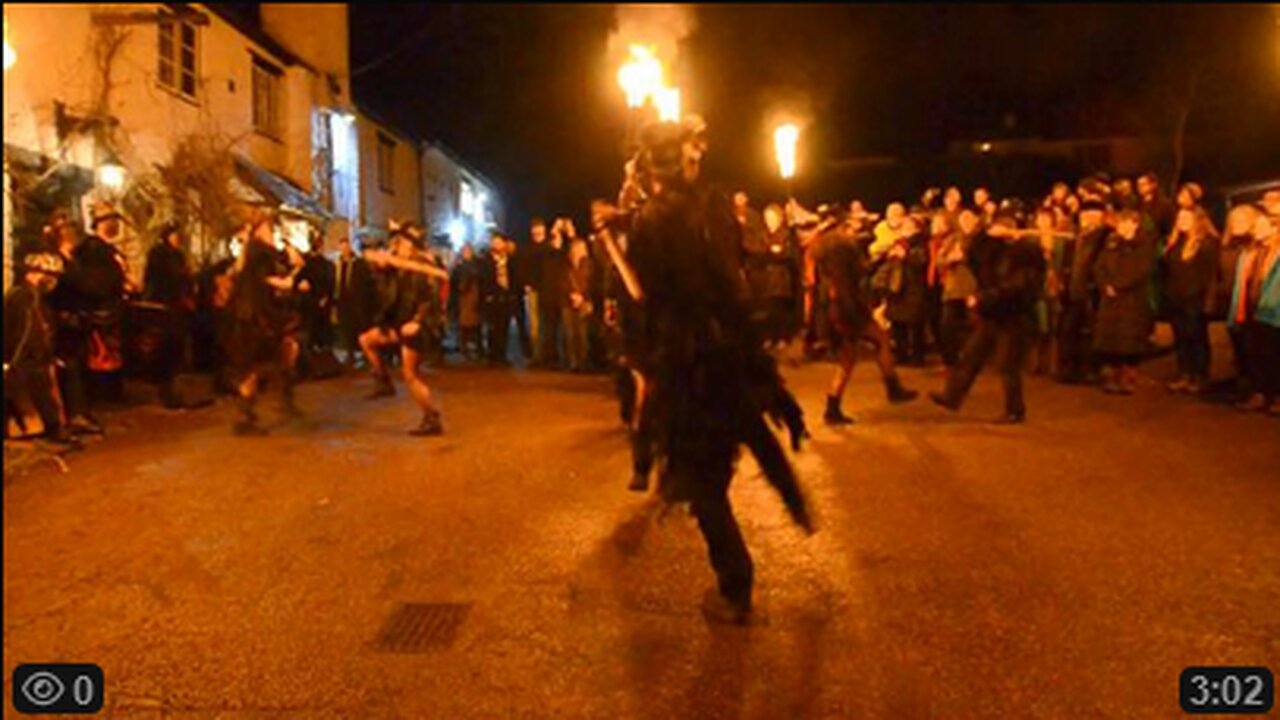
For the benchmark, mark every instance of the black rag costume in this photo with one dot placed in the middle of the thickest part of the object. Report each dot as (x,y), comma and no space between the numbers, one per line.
(711,381)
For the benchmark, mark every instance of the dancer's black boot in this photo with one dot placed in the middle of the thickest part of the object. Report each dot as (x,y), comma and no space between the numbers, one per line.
(834,415)
(896,392)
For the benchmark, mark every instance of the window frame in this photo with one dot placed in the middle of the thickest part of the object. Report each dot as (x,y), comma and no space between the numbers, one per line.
(273,80)
(175,30)
(385,157)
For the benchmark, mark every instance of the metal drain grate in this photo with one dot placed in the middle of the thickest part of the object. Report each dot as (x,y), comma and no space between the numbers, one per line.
(420,627)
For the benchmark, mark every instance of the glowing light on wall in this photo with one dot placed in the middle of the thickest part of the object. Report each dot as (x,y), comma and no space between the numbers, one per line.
(457,232)
(10,55)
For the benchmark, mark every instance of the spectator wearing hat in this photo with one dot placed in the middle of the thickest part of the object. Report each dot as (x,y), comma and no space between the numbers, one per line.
(168,281)
(30,379)
(100,280)
(1076,361)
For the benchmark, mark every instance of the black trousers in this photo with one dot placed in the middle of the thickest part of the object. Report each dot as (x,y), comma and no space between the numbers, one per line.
(1075,342)
(1011,338)
(935,318)
(781,319)
(1239,352)
(73,375)
(522,326)
(908,342)
(548,330)
(954,331)
(498,313)
(725,546)
(316,328)
(1191,341)
(1262,355)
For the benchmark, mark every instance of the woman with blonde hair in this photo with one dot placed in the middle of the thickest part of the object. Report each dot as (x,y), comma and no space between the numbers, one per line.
(1190,271)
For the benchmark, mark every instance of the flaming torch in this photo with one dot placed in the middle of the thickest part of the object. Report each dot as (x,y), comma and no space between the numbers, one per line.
(668,101)
(785,137)
(641,79)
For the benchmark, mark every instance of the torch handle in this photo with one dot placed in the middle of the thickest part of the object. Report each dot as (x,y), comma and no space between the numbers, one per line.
(629,278)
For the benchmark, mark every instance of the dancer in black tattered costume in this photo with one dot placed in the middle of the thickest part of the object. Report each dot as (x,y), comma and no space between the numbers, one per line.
(710,383)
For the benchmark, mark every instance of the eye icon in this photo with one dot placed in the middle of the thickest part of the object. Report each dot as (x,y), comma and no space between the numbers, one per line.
(43,689)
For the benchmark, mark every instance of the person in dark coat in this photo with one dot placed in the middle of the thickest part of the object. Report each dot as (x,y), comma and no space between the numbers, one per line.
(1010,272)
(1155,205)
(96,282)
(498,292)
(520,270)
(1123,324)
(531,275)
(841,254)
(579,310)
(554,294)
(1076,361)
(464,287)
(781,278)
(754,255)
(1190,275)
(908,308)
(712,383)
(168,281)
(354,297)
(316,304)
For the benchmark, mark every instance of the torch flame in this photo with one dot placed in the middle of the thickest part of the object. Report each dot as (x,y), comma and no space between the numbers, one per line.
(641,77)
(668,101)
(785,137)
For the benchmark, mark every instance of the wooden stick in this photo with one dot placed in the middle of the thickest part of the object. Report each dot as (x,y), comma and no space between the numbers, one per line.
(382,257)
(629,278)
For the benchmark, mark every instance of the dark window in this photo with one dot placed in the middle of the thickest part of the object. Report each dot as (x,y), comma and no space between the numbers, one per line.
(386,163)
(179,52)
(267,100)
